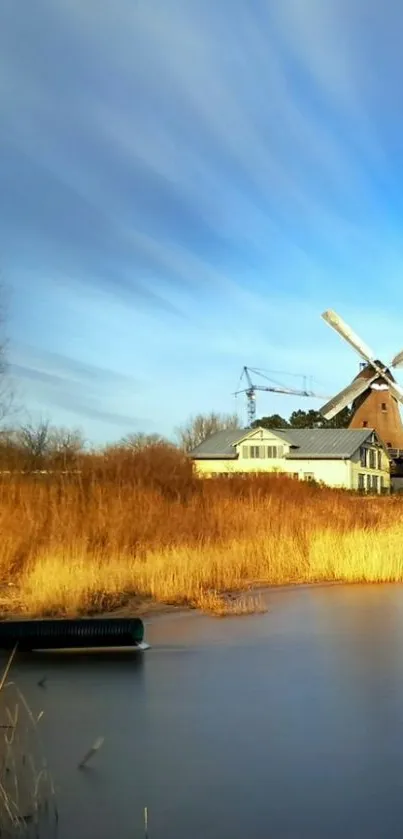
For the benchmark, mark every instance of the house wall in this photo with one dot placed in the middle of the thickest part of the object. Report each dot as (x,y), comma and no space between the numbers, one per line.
(334,473)
(262,437)
(218,467)
(209,468)
(383,472)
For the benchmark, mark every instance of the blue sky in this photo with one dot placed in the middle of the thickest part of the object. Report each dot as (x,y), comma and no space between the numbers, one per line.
(185,186)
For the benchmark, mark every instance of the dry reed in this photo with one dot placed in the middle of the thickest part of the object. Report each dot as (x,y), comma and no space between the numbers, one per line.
(27,806)
(144,525)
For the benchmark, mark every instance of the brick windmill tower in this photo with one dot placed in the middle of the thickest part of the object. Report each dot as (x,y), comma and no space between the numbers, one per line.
(374,394)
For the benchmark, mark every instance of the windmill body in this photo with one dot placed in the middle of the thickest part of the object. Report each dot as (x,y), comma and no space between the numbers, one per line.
(377,408)
(374,393)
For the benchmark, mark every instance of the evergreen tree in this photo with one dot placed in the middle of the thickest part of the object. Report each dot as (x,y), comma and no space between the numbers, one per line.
(305,419)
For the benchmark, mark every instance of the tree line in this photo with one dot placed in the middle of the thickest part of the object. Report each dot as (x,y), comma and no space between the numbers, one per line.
(42,446)
(306,419)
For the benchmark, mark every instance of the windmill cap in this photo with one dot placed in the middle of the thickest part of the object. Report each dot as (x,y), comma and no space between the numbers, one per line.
(368,371)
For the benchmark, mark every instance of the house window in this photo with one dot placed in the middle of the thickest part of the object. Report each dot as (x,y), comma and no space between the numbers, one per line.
(257,451)
(361,481)
(275,451)
(295,475)
(365,424)
(375,483)
(372,459)
(369,482)
(384,407)
(379,459)
(382,482)
(389,445)
(309,476)
(363,456)
(245,451)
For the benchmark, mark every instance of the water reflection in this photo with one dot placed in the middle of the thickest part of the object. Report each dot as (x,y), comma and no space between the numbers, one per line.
(288,724)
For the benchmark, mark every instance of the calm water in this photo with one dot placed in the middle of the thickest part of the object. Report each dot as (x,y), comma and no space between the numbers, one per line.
(288,724)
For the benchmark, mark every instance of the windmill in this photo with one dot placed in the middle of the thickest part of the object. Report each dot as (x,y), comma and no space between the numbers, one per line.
(373,393)
(274,387)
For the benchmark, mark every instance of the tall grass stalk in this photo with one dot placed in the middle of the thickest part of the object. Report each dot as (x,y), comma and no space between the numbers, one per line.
(27,805)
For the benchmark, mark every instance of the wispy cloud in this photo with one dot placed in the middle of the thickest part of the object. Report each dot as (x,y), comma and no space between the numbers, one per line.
(189,125)
(65,368)
(186,176)
(79,388)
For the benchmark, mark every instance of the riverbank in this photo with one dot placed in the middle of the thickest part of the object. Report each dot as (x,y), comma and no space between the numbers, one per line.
(221,579)
(118,544)
(220,604)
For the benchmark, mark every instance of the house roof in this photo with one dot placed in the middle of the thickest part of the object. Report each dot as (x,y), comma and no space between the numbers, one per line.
(309,443)
(324,442)
(221,444)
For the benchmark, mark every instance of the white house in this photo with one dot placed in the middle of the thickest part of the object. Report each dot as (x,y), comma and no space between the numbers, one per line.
(339,457)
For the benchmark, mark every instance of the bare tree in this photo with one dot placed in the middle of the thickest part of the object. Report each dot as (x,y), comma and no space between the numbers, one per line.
(133,443)
(200,427)
(141,440)
(41,445)
(64,446)
(34,441)
(8,405)
(10,450)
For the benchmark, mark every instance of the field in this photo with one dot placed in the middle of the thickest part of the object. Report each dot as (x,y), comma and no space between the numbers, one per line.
(140,528)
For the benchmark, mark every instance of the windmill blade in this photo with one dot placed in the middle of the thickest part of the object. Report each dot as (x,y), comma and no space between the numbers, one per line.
(346,396)
(336,322)
(397,361)
(395,389)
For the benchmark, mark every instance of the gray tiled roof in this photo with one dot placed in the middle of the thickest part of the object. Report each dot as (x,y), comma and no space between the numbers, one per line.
(220,444)
(310,442)
(324,442)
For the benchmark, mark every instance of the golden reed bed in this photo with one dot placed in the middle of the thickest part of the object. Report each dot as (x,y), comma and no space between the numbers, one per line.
(143,525)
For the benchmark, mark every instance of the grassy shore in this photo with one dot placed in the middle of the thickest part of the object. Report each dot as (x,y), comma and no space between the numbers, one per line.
(143,527)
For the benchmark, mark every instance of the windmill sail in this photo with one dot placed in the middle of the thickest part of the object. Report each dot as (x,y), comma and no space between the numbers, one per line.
(395,389)
(336,322)
(345,397)
(374,393)
(397,361)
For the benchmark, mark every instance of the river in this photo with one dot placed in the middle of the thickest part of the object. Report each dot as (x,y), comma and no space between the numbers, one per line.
(287,724)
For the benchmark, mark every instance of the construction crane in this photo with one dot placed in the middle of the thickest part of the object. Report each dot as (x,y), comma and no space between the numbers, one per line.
(275,387)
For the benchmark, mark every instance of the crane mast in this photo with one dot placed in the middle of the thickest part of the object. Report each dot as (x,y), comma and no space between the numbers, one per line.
(251,388)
